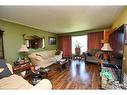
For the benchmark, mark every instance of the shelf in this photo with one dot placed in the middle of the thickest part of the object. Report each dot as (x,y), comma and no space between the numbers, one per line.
(25,67)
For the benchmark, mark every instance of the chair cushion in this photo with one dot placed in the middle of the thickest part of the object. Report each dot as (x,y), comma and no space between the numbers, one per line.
(89,53)
(4,70)
(92,52)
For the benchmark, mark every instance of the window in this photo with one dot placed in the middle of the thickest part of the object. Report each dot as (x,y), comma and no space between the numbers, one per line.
(81,40)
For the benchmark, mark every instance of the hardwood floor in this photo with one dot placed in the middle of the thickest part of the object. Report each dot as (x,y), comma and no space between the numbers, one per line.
(77,76)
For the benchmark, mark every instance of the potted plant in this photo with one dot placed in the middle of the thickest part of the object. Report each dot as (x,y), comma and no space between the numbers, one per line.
(77,48)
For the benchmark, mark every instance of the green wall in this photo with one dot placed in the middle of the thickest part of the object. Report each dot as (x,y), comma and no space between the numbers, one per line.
(13,39)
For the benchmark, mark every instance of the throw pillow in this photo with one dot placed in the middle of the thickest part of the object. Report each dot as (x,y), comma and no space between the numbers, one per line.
(97,55)
(94,51)
(5,72)
(57,52)
(100,53)
(89,53)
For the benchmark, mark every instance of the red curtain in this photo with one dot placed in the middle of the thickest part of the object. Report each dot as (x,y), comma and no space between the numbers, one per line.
(94,40)
(65,45)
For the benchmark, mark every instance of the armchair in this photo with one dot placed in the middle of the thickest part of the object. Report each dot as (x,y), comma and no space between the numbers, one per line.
(17,82)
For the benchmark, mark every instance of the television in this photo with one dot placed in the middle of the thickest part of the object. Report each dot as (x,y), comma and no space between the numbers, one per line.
(117,42)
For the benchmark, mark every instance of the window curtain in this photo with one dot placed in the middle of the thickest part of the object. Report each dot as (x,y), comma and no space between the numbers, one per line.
(94,40)
(65,45)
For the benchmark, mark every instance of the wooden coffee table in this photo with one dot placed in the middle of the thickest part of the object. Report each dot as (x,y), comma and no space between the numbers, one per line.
(44,72)
(40,74)
(62,63)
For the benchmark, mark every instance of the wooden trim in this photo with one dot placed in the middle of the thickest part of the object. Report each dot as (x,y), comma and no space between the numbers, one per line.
(107,33)
(1,33)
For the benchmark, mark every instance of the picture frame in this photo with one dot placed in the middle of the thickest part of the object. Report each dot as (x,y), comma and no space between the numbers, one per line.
(52,40)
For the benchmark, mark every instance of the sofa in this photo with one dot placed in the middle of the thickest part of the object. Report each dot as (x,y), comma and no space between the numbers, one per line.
(17,82)
(92,56)
(45,58)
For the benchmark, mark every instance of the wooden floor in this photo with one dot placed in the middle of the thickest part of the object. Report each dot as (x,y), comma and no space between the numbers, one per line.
(77,76)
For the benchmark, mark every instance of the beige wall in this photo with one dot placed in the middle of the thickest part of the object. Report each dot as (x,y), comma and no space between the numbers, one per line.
(122,19)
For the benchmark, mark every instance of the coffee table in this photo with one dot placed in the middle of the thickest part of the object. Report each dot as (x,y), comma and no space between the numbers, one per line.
(44,72)
(60,64)
(40,74)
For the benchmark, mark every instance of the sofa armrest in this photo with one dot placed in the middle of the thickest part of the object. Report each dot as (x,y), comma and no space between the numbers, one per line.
(43,84)
(84,55)
(10,67)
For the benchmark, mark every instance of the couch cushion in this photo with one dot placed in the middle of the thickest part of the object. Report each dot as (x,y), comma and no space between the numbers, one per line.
(4,70)
(35,55)
(92,52)
(47,54)
(89,53)
(98,55)
(14,82)
(92,59)
(46,58)
(44,65)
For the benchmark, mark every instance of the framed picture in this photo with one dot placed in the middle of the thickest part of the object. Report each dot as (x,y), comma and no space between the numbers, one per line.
(52,40)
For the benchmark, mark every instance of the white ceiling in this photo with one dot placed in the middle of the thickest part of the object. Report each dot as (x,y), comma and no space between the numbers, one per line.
(62,19)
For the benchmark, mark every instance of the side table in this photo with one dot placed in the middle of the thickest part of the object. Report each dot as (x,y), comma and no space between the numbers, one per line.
(39,75)
(77,57)
(25,68)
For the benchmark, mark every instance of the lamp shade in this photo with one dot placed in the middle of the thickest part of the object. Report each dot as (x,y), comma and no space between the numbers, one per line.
(106,47)
(23,48)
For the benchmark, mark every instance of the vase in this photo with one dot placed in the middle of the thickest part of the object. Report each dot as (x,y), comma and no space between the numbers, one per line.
(77,51)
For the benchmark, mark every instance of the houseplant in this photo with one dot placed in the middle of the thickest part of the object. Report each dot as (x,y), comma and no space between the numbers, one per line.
(77,48)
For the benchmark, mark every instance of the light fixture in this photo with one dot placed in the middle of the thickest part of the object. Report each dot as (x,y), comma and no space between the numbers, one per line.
(106,47)
(23,48)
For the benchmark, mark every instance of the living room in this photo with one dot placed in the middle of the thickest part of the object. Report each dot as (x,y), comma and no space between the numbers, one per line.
(19,25)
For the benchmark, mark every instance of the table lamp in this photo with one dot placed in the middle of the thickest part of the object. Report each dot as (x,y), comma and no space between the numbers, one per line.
(23,49)
(106,48)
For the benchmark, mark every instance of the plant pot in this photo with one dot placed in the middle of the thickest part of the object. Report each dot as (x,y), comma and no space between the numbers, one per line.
(77,51)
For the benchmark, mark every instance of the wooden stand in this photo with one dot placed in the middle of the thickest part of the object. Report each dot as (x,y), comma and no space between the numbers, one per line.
(23,67)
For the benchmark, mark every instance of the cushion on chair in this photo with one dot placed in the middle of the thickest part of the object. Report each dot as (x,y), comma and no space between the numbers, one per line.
(5,72)
(89,53)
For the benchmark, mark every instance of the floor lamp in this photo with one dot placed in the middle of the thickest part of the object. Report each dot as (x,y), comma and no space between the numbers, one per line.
(106,49)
